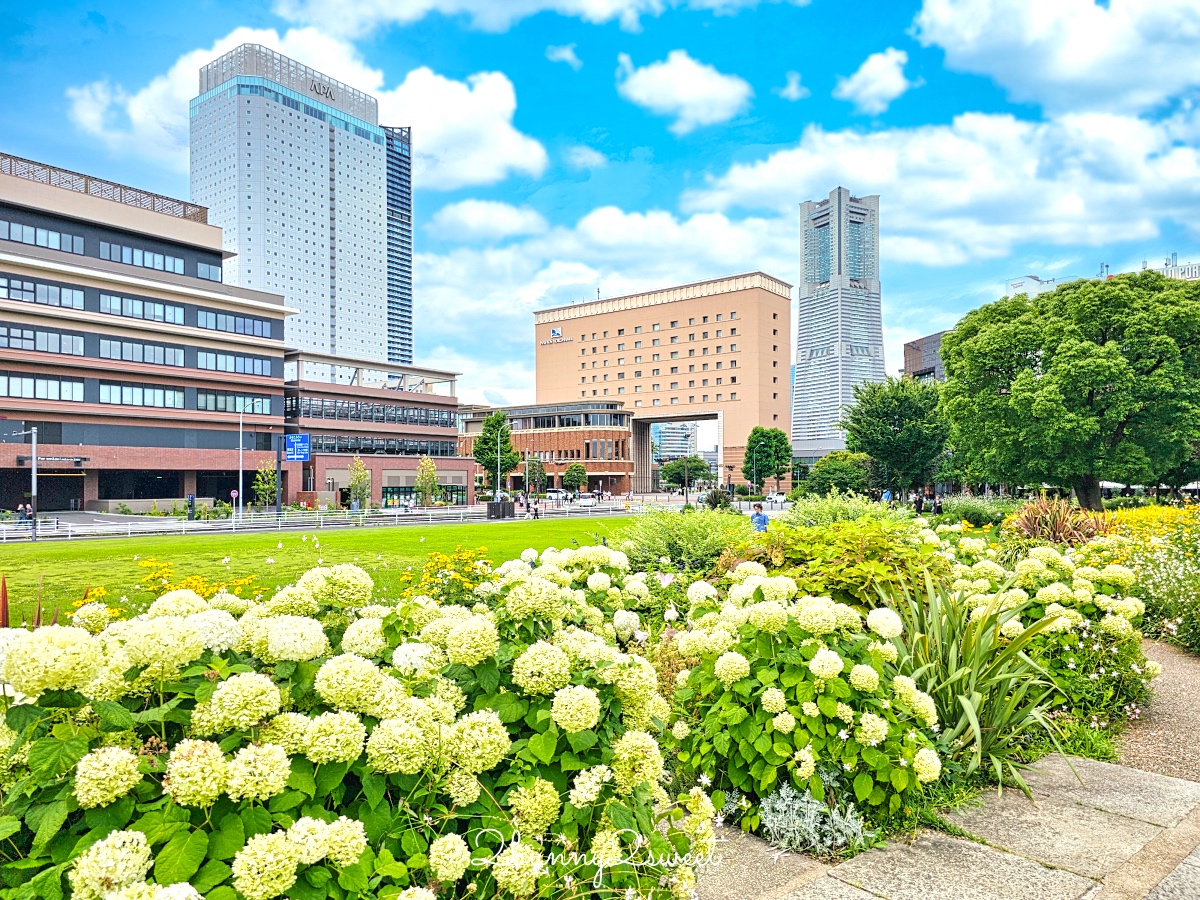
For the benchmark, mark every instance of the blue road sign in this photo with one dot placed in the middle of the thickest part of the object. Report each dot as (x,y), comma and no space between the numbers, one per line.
(297,448)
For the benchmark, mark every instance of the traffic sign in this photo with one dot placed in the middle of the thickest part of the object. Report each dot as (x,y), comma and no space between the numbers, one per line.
(233,494)
(297,448)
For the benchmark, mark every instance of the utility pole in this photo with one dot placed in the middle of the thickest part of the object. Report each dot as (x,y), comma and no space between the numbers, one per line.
(241,413)
(33,490)
(686,460)
(496,491)
(279,476)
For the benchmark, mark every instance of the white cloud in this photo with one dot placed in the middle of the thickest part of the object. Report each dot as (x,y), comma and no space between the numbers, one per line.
(878,81)
(793,90)
(462,131)
(564,54)
(1123,55)
(984,184)
(581,157)
(695,93)
(472,220)
(362,16)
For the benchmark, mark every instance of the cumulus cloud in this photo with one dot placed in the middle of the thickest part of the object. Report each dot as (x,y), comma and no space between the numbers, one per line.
(1124,55)
(878,81)
(356,17)
(471,220)
(695,93)
(984,184)
(564,54)
(581,157)
(462,130)
(793,90)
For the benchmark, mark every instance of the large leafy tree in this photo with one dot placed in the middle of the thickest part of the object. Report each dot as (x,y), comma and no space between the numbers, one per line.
(575,477)
(1095,380)
(841,471)
(495,442)
(768,455)
(693,469)
(898,424)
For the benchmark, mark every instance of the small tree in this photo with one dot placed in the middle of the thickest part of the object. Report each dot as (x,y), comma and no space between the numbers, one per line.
(496,435)
(693,469)
(360,482)
(768,455)
(536,481)
(840,470)
(265,481)
(898,424)
(427,489)
(575,477)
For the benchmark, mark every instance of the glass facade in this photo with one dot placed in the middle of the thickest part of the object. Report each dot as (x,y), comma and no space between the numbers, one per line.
(399,245)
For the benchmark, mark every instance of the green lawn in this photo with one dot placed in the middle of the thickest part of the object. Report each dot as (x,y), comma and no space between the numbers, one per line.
(66,569)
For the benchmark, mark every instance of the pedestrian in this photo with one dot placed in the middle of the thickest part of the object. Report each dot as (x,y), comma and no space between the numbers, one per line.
(537,507)
(937,504)
(20,513)
(919,503)
(758,521)
(887,496)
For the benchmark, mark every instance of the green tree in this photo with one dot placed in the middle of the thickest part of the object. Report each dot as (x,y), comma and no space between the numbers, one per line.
(537,475)
(496,435)
(693,467)
(426,488)
(575,477)
(840,470)
(898,424)
(768,455)
(264,484)
(360,483)
(1095,380)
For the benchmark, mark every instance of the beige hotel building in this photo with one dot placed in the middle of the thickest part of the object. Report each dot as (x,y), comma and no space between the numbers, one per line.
(715,350)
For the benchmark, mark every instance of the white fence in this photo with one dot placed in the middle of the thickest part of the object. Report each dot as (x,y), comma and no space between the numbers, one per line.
(50,528)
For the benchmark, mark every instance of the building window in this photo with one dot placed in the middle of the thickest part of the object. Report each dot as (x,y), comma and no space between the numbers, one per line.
(637,402)
(227,362)
(40,387)
(41,237)
(674,385)
(208,272)
(136,256)
(718,317)
(654,327)
(36,292)
(675,324)
(231,403)
(656,342)
(135,308)
(213,321)
(733,396)
(674,400)
(637,330)
(136,351)
(124,394)
(620,346)
(657,402)
(44,341)
(620,331)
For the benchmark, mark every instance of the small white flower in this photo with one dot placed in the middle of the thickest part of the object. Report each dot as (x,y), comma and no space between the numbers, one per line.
(671,615)
(225,561)
(320,561)
(270,560)
(843,734)
(903,763)
(704,780)
(279,546)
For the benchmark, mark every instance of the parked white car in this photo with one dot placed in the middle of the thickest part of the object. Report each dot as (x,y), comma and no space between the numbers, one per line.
(776,497)
(586,500)
(556,494)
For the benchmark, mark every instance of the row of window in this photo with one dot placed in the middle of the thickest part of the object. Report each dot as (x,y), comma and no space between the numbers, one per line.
(41,237)
(342,443)
(656,326)
(35,339)
(136,256)
(133,308)
(359,411)
(40,387)
(208,272)
(637,345)
(576,420)
(228,362)
(239,403)
(233,324)
(136,351)
(140,395)
(36,292)
(604,449)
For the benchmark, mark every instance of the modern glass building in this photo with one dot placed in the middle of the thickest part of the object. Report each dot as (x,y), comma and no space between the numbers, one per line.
(295,168)
(399,245)
(839,327)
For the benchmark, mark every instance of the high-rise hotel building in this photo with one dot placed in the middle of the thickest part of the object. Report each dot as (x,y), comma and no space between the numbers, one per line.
(839,328)
(314,197)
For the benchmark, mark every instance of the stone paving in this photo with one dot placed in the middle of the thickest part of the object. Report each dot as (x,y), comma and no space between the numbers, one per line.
(1121,834)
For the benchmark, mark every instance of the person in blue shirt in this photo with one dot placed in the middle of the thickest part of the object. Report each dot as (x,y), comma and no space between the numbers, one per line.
(758,521)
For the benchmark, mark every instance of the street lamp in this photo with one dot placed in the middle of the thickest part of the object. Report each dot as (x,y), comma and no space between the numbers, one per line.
(33,491)
(241,413)
(754,462)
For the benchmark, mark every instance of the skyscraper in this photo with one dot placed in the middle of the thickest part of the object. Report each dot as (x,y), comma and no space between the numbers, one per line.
(839,328)
(674,439)
(295,168)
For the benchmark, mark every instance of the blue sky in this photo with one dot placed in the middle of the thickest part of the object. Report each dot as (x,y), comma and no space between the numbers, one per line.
(568,145)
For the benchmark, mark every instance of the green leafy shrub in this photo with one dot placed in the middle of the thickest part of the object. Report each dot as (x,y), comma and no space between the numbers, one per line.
(847,561)
(321,745)
(979,511)
(836,507)
(778,688)
(693,542)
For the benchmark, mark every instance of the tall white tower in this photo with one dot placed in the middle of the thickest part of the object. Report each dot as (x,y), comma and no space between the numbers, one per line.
(839,329)
(293,165)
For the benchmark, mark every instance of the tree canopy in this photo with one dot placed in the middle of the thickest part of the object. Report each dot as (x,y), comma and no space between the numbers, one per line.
(768,455)
(840,470)
(485,448)
(694,467)
(898,424)
(1095,380)
(427,489)
(360,482)
(575,477)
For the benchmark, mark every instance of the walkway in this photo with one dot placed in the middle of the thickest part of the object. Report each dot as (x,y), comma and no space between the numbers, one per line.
(1122,834)
(1166,739)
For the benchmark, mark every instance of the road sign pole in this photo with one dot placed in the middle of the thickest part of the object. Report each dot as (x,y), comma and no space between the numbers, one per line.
(279,477)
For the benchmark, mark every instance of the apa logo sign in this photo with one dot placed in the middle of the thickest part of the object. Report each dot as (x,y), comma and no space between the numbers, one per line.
(321,90)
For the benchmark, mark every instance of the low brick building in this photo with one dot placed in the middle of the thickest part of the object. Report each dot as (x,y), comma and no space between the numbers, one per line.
(592,433)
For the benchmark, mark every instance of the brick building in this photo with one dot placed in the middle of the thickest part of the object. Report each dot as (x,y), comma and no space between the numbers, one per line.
(595,434)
